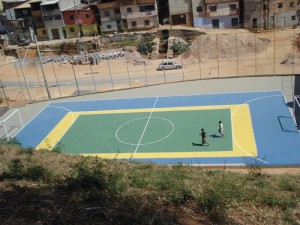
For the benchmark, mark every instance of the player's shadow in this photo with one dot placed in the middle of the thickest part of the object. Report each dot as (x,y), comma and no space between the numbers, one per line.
(215,136)
(195,144)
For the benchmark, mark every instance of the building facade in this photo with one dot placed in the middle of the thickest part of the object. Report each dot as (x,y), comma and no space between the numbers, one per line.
(110,15)
(216,13)
(80,21)
(54,23)
(181,12)
(270,14)
(139,14)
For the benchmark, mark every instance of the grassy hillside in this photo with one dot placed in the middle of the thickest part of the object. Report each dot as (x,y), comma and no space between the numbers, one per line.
(42,187)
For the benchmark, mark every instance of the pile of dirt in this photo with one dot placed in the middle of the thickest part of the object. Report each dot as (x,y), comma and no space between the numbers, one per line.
(132,55)
(227,45)
(6,59)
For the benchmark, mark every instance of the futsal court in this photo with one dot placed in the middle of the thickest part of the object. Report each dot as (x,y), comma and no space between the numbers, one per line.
(258,126)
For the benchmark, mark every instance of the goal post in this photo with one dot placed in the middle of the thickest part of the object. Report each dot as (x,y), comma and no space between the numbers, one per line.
(296,111)
(10,124)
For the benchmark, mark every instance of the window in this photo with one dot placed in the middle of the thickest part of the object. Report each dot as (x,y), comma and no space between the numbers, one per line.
(213,8)
(44,32)
(199,9)
(232,7)
(280,5)
(129,10)
(72,30)
(293,17)
(87,15)
(117,11)
(147,8)
(133,23)
(57,17)
(106,13)
(291,4)
(147,22)
(72,17)
(234,22)
(48,18)
(265,7)
(108,26)
(24,12)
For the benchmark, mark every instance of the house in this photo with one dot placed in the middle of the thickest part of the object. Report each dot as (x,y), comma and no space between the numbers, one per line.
(80,21)
(181,12)
(216,13)
(270,14)
(18,23)
(38,20)
(138,14)
(54,23)
(110,15)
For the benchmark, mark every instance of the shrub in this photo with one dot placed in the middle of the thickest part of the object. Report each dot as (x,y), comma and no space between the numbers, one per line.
(83,177)
(146,44)
(10,141)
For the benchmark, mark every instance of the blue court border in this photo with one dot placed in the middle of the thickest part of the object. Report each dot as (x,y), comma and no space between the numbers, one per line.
(275,131)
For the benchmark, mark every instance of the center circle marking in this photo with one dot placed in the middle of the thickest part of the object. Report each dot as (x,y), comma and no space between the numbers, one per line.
(142,118)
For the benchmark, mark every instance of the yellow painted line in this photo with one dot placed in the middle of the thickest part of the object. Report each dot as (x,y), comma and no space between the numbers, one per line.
(242,131)
(60,129)
(168,155)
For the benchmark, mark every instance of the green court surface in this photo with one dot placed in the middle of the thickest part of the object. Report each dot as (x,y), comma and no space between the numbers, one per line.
(168,131)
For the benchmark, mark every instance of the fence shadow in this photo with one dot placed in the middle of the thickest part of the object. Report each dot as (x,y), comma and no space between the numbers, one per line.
(285,124)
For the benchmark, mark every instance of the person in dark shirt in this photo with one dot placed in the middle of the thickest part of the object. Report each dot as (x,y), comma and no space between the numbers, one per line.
(203,136)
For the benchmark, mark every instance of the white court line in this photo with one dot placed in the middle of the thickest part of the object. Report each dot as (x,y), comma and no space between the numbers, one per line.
(246,103)
(145,128)
(291,111)
(162,96)
(33,118)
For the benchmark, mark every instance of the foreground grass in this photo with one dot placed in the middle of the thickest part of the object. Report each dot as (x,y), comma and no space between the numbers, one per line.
(42,187)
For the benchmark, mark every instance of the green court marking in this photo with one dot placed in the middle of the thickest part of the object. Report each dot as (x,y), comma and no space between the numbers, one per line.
(170,131)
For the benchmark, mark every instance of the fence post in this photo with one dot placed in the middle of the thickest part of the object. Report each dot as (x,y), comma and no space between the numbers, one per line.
(93,78)
(39,80)
(23,74)
(4,93)
(199,56)
(128,71)
(217,46)
(237,54)
(20,83)
(78,91)
(43,73)
(56,79)
(255,60)
(112,83)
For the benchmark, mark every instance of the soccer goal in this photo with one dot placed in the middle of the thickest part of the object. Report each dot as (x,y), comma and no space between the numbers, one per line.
(297,110)
(10,124)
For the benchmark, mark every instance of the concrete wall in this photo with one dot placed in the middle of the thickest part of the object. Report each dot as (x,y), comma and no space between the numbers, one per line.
(179,6)
(224,22)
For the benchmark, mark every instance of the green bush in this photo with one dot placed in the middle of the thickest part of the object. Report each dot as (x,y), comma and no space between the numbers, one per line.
(10,141)
(180,48)
(84,177)
(145,46)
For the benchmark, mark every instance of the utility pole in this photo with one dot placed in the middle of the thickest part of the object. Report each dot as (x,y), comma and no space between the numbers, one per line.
(41,63)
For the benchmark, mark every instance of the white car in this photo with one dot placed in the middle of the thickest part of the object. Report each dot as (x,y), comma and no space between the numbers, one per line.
(169,65)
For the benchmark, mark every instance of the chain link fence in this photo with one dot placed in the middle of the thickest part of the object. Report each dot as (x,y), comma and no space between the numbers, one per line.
(209,57)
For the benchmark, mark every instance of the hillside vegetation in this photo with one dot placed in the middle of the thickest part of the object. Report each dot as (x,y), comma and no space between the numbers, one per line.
(43,187)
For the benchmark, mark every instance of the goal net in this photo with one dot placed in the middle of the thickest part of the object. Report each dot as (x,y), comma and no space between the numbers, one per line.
(10,124)
(297,110)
